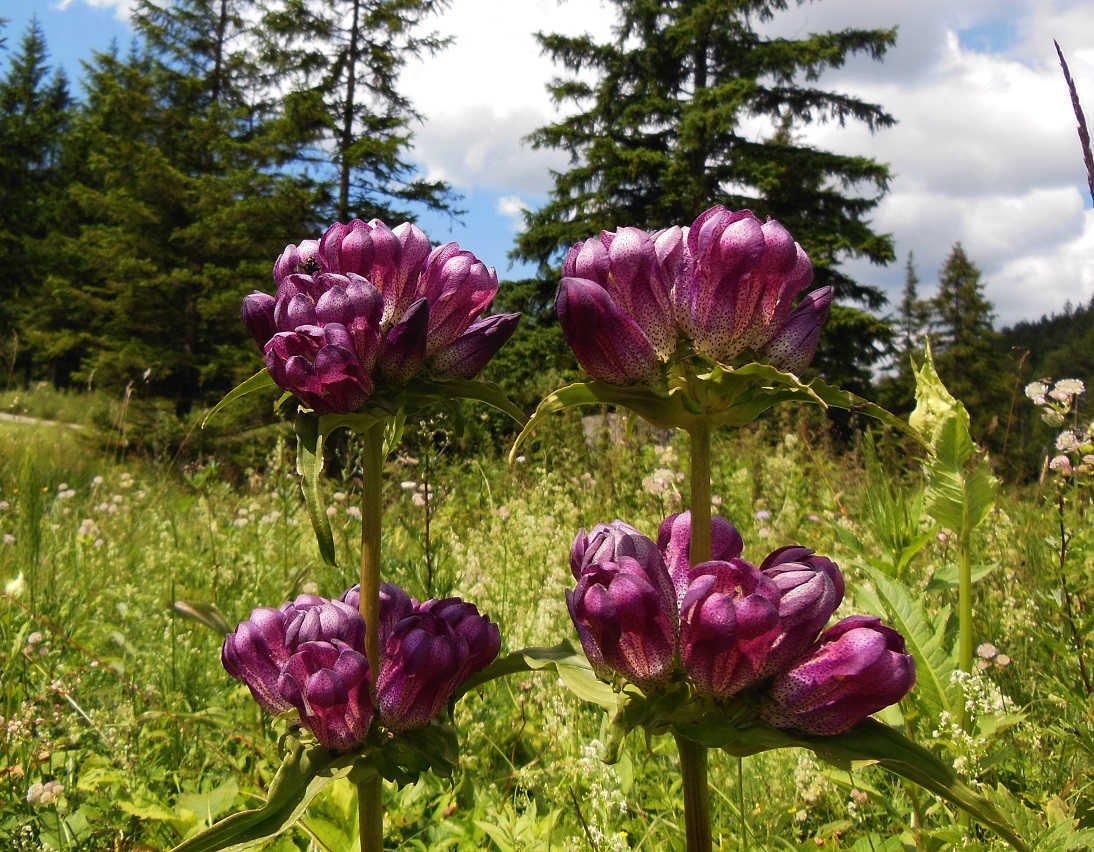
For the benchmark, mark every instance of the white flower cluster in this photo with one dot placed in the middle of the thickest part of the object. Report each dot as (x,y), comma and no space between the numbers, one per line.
(44,794)
(1074,447)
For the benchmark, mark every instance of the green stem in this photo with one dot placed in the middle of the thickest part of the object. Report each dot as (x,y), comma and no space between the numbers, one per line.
(964,645)
(741,802)
(693,768)
(371,514)
(693,755)
(700,493)
(370,803)
(370,812)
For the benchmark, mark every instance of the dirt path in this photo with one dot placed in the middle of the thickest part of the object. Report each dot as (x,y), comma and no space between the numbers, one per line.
(19,418)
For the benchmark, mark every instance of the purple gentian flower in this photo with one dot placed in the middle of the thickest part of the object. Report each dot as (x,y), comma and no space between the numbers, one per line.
(368,304)
(857,667)
(811,588)
(728,283)
(729,618)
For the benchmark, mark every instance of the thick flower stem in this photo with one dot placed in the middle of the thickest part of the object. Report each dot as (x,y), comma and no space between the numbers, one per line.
(371,515)
(370,811)
(693,768)
(700,493)
(693,755)
(370,804)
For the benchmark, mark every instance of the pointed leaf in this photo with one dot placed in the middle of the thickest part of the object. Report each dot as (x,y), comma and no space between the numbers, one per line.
(259,381)
(309,464)
(934,665)
(204,613)
(302,775)
(564,659)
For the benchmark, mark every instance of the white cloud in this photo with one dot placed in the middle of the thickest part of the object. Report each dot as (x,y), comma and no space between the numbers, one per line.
(512,207)
(122,8)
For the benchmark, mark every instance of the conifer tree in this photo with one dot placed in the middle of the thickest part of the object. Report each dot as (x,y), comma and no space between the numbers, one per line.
(340,61)
(34,111)
(965,345)
(179,204)
(660,134)
(896,391)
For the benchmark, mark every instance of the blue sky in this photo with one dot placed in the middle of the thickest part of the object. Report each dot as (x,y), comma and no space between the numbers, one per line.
(984,152)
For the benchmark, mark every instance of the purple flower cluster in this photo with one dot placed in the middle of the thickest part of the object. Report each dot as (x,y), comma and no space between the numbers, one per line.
(310,655)
(367,304)
(727,283)
(641,611)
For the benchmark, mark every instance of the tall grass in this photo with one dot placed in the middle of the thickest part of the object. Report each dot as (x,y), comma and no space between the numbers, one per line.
(113,693)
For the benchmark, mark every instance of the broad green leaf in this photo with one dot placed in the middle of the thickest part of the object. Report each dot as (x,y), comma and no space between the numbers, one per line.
(960,489)
(303,774)
(718,397)
(566,661)
(934,665)
(259,381)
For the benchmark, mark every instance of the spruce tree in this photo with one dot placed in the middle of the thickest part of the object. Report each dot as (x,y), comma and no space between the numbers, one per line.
(660,134)
(179,207)
(340,61)
(966,347)
(34,112)
(896,390)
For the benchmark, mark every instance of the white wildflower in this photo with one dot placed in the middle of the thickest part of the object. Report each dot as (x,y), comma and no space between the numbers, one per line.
(1036,391)
(1072,387)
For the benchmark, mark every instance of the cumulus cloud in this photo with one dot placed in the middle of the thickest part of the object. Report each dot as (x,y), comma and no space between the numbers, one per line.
(512,207)
(122,8)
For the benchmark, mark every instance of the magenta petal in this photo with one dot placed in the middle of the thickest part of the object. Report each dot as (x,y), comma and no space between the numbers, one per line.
(467,355)
(793,346)
(403,351)
(258,316)
(609,344)
(674,542)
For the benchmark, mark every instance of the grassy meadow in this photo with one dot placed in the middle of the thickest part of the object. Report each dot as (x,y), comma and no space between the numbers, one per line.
(121,731)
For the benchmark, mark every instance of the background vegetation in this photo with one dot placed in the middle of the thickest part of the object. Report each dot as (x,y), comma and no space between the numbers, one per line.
(113,689)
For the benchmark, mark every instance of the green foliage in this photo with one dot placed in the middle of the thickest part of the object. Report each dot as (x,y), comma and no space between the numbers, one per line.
(342,59)
(154,742)
(655,137)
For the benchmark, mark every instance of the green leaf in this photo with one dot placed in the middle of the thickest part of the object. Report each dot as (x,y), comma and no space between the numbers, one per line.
(481,391)
(719,397)
(259,381)
(302,775)
(934,665)
(204,613)
(309,464)
(950,576)
(564,659)
(958,497)
(312,431)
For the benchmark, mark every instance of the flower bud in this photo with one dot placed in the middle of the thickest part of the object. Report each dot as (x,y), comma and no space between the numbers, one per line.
(626,623)
(466,356)
(857,667)
(674,542)
(729,617)
(793,346)
(482,636)
(423,660)
(608,343)
(329,684)
(810,589)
